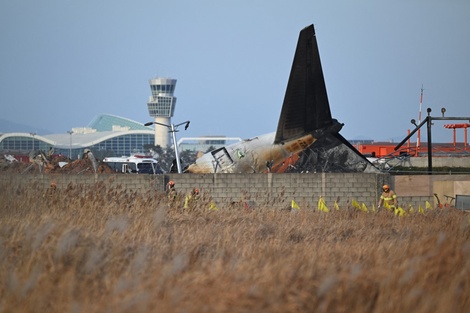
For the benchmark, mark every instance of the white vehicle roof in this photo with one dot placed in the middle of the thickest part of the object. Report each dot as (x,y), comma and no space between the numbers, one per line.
(132,159)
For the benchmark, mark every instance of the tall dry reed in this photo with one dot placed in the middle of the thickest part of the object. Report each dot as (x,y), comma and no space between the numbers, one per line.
(106,249)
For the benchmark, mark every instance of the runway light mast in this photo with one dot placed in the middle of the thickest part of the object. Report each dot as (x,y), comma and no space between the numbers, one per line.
(70,132)
(173,129)
(418,140)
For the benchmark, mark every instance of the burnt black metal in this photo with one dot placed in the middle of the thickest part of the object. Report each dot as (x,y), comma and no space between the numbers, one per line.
(306,106)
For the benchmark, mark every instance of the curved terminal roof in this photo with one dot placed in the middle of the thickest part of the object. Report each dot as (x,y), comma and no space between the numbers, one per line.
(46,139)
(108,132)
(106,122)
(90,139)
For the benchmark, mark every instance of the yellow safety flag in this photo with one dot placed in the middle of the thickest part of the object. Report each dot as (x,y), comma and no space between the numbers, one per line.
(364,208)
(400,212)
(336,205)
(186,202)
(373,208)
(355,204)
(428,205)
(411,209)
(420,209)
(213,207)
(294,205)
(322,205)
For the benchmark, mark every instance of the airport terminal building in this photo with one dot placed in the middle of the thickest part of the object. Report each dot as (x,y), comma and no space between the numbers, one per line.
(112,136)
(105,135)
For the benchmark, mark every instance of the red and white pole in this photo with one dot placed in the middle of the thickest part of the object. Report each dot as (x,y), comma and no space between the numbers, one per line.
(418,141)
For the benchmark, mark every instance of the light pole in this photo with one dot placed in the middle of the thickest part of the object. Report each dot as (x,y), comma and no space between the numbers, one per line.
(70,132)
(33,134)
(173,129)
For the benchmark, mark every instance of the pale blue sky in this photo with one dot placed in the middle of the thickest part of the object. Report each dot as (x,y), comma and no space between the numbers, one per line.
(62,62)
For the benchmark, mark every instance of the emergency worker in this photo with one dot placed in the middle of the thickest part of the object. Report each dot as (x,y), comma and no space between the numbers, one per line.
(191,199)
(388,198)
(171,192)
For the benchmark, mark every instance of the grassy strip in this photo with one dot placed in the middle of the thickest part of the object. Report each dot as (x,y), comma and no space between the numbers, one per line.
(109,250)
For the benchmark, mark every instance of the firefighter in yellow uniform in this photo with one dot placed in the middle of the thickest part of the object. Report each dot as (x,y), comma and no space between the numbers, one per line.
(191,199)
(171,193)
(388,198)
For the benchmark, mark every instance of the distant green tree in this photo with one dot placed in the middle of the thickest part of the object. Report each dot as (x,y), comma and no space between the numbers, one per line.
(210,149)
(166,157)
(101,154)
(187,157)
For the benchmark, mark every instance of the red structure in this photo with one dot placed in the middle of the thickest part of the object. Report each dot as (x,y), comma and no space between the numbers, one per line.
(454,127)
(386,149)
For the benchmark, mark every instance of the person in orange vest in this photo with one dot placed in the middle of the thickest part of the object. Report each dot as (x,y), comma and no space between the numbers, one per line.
(388,198)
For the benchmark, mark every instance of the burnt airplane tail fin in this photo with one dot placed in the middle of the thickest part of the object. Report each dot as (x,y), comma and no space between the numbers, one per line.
(305,108)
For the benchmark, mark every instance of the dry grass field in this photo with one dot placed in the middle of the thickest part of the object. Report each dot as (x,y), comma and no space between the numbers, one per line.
(108,250)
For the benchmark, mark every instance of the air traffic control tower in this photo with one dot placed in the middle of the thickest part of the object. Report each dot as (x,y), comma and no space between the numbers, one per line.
(161,107)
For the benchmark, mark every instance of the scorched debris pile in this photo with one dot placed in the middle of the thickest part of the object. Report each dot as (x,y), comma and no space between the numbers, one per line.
(54,164)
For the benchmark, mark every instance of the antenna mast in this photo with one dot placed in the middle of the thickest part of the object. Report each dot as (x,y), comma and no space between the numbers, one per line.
(418,141)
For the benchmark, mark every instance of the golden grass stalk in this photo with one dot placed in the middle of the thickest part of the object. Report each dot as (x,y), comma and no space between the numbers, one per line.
(105,249)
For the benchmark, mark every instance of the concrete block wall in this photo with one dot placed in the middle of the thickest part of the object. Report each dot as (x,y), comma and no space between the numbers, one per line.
(421,188)
(272,190)
(263,190)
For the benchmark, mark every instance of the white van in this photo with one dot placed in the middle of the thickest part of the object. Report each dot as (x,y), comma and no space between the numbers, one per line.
(134,164)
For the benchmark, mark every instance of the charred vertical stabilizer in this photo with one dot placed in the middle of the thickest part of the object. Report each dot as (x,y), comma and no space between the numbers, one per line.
(305,108)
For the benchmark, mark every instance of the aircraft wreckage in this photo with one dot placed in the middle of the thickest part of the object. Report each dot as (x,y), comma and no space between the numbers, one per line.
(307,137)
